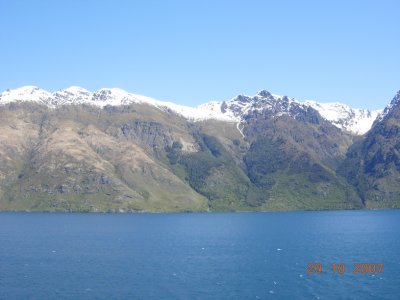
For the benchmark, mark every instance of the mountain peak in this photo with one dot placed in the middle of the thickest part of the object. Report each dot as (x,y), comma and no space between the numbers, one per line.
(105,94)
(26,89)
(393,104)
(396,99)
(241,98)
(24,93)
(264,93)
(76,90)
(71,95)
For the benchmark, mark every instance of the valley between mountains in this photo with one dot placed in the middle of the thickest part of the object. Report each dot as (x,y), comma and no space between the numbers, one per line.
(74,150)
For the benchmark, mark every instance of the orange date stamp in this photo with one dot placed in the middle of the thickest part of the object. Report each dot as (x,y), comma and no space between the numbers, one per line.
(340,268)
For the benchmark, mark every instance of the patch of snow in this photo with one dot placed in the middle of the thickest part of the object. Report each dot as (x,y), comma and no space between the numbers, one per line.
(240,130)
(355,120)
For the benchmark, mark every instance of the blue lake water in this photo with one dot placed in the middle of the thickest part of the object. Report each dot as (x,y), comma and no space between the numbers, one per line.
(198,255)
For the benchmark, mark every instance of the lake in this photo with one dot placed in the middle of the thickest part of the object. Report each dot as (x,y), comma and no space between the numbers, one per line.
(200,255)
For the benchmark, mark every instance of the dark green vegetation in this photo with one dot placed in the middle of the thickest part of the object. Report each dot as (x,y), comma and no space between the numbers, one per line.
(293,160)
(140,158)
(372,164)
(213,173)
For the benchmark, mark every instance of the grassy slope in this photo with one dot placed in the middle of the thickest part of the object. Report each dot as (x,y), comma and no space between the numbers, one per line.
(76,166)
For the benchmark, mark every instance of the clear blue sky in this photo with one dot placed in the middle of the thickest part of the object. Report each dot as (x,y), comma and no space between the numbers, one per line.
(191,52)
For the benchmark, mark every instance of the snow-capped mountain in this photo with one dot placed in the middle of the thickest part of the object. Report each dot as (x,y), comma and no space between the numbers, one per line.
(76,95)
(241,106)
(357,121)
(25,93)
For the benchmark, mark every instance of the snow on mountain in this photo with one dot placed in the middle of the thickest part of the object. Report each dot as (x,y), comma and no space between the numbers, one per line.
(355,120)
(237,109)
(103,97)
(71,95)
(25,93)
(241,106)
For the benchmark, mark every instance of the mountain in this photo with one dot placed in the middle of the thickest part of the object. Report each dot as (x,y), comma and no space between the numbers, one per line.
(75,150)
(372,164)
(356,121)
(294,153)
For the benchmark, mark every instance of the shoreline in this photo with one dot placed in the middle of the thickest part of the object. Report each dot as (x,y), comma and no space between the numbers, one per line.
(191,212)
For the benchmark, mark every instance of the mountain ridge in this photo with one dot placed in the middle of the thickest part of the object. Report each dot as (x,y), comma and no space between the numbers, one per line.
(354,120)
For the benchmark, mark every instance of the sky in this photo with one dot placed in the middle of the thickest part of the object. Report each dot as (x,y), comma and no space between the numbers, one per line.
(191,52)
